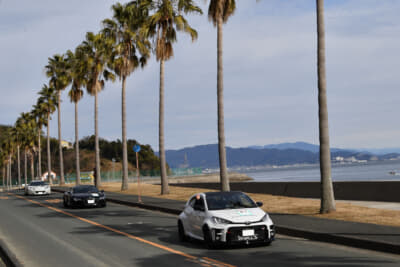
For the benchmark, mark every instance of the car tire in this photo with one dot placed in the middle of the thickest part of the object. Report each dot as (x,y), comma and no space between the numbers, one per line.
(65,203)
(104,205)
(181,232)
(207,238)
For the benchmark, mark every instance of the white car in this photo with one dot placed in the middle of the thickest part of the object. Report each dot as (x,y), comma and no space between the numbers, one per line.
(225,218)
(37,187)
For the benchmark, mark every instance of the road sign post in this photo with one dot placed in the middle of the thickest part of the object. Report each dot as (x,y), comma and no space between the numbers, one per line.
(136,149)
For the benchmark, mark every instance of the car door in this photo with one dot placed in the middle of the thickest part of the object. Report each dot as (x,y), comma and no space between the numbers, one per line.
(188,211)
(198,216)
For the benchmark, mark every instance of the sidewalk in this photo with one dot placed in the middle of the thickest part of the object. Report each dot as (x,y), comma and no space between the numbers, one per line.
(360,235)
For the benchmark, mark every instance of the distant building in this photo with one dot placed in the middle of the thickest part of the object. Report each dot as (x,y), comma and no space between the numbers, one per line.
(66,144)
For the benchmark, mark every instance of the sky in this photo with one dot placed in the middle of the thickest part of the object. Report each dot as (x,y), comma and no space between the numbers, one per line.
(270,74)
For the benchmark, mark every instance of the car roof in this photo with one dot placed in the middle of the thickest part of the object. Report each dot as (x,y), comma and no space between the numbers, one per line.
(84,186)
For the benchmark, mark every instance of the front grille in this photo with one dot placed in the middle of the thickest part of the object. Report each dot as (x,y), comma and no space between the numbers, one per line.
(234,234)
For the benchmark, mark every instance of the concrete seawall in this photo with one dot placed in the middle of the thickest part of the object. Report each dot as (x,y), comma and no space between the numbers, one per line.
(364,191)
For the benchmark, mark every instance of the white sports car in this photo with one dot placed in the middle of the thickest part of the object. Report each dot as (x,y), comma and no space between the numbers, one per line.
(225,218)
(37,187)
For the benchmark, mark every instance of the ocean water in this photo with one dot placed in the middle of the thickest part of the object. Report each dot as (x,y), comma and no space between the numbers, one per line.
(376,171)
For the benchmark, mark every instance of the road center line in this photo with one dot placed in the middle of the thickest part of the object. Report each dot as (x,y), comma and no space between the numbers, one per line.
(201,261)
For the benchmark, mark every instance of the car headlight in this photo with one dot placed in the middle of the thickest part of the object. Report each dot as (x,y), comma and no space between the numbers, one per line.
(218,220)
(265,218)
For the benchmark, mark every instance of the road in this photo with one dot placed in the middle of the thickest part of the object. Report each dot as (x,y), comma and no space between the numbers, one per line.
(41,232)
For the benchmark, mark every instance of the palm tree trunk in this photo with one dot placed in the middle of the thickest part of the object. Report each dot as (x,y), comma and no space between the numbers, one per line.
(4,177)
(32,165)
(124,185)
(25,167)
(9,173)
(220,99)
(62,180)
(78,168)
(163,168)
(39,153)
(48,150)
(97,149)
(19,166)
(327,195)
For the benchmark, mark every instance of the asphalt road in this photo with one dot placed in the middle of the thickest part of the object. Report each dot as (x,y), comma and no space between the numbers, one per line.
(41,232)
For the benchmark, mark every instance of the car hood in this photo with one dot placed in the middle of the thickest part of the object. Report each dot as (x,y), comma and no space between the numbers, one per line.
(87,194)
(239,215)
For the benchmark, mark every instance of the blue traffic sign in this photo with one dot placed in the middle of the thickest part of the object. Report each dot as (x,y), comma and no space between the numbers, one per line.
(136,148)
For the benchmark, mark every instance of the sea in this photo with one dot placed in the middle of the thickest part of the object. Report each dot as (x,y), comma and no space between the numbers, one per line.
(370,171)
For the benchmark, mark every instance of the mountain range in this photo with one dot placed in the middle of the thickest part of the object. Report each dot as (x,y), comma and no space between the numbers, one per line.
(206,156)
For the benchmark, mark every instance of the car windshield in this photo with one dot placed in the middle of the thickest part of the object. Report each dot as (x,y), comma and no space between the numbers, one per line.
(37,183)
(229,200)
(85,189)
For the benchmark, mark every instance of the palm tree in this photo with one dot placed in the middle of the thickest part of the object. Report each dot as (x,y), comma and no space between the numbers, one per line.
(48,102)
(40,116)
(219,12)
(77,73)
(327,195)
(122,29)
(28,138)
(57,71)
(16,133)
(162,26)
(97,50)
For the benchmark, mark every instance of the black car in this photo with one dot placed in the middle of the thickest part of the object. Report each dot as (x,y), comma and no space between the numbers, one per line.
(84,196)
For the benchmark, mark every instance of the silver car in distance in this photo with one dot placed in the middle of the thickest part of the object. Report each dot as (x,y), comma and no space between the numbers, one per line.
(225,218)
(37,187)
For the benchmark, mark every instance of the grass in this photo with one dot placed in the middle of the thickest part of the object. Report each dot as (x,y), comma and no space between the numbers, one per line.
(277,204)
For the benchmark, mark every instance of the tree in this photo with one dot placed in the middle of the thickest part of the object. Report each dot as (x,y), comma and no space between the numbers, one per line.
(327,195)
(57,71)
(97,50)
(40,116)
(122,29)
(48,102)
(77,72)
(219,12)
(162,26)
(16,133)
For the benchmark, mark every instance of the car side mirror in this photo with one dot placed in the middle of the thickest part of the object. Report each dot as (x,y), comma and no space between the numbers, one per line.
(259,204)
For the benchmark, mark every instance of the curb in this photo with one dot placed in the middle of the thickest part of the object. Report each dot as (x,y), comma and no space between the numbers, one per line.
(290,231)
(10,260)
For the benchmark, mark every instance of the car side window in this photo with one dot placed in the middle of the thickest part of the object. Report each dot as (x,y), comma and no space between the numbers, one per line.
(192,201)
(199,204)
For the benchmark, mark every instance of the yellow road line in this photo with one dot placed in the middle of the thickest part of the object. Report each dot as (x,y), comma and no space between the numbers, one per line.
(202,261)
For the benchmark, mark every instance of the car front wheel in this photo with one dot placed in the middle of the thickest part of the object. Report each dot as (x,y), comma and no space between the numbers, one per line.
(207,237)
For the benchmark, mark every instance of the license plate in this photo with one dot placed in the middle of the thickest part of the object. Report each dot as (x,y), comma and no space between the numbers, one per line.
(248,232)
(90,201)
(40,193)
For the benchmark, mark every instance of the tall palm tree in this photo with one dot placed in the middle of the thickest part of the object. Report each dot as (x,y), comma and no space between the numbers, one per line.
(58,72)
(327,195)
(40,116)
(48,102)
(122,29)
(28,139)
(219,12)
(162,25)
(97,50)
(16,132)
(77,72)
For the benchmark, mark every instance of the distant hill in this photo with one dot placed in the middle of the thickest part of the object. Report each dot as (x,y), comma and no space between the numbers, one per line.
(297,145)
(206,156)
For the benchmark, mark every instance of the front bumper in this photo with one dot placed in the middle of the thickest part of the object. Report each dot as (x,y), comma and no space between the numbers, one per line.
(238,234)
(37,192)
(88,202)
